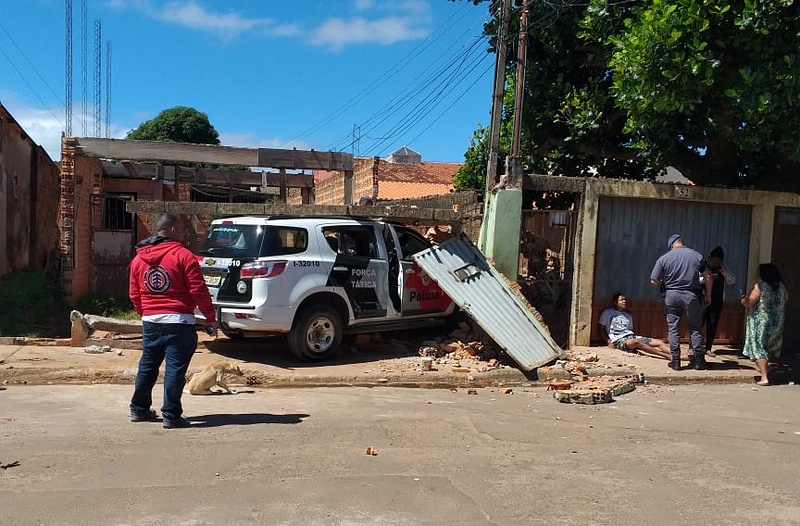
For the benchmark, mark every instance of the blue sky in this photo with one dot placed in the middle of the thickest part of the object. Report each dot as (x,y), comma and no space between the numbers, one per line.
(360,76)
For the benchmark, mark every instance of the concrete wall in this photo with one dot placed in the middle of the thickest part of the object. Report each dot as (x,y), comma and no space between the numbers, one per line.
(28,200)
(762,204)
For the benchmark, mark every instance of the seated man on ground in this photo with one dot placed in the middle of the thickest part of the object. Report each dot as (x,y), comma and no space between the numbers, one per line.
(618,325)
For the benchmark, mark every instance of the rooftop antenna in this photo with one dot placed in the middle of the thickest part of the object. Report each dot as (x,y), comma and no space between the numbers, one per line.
(84,65)
(68,68)
(108,89)
(98,103)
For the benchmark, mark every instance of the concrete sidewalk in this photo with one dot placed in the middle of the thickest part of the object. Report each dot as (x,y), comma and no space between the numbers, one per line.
(268,363)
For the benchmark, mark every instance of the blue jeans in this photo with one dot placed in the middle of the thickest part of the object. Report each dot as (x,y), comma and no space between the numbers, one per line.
(175,342)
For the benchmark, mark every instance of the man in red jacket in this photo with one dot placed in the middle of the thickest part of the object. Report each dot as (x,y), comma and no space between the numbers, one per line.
(165,284)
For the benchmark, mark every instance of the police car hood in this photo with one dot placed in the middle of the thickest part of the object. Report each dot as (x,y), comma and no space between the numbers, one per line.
(153,249)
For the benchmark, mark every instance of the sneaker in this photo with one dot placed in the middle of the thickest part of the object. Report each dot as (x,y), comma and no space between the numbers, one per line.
(149,416)
(174,423)
(674,364)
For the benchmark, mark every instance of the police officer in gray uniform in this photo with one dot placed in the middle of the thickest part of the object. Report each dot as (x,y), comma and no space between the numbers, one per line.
(679,271)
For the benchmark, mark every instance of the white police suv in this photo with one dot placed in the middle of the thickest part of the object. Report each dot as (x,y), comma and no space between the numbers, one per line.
(316,277)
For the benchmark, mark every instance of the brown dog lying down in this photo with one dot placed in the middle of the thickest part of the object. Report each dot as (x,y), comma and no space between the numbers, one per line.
(213,375)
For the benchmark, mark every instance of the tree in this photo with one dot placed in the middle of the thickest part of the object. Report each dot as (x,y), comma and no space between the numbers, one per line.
(178,124)
(625,89)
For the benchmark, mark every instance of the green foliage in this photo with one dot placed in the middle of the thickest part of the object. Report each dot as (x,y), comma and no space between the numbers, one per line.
(31,304)
(625,89)
(472,174)
(178,124)
(119,307)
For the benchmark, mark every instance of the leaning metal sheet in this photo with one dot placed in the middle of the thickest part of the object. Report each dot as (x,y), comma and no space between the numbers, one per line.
(483,293)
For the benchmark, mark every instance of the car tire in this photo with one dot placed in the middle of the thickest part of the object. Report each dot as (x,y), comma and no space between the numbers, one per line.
(316,334)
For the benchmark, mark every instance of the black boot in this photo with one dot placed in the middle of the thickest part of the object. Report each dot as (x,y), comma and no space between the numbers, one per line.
(674,364)
(700,363)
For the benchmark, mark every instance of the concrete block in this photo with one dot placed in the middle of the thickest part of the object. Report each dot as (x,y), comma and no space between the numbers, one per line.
(584,396)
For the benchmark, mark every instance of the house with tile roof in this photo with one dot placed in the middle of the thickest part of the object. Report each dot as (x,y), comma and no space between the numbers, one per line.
(401,175)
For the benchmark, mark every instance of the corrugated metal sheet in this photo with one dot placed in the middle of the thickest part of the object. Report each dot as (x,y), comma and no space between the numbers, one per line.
(483,293)
(632,234)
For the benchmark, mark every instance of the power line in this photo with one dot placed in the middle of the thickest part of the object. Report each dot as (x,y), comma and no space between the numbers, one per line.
(58,98)
(420,98)
(387,75)
(13,65)
(431,100)
(442,114)
(428,94)
(408,95)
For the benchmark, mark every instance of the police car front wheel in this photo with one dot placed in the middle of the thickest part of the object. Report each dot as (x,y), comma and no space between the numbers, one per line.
(316,334)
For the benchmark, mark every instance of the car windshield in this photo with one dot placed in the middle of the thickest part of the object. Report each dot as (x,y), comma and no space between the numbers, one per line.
(252,241)
(232,241)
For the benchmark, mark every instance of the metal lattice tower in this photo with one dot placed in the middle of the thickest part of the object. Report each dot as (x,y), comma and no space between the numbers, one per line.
(108,89)
(68,68)
(84,66)
(98,103)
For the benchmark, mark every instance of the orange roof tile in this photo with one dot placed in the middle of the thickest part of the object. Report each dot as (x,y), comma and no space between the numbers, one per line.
(433,173)
(390,190)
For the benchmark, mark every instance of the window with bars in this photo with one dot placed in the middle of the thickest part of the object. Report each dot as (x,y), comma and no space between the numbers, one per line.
(115,217)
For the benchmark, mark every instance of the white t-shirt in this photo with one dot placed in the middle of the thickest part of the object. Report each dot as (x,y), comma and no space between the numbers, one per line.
(170,318)
(618,324)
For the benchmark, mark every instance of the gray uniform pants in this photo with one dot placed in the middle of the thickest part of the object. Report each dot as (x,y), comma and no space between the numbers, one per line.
(678,303)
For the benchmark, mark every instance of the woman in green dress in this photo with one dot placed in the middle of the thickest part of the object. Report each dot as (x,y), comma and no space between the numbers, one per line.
(765,306)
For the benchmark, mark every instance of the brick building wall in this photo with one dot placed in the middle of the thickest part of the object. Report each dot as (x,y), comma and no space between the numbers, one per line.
(44,236)
(87,183)
(393,181)
(28,200)
(330,191)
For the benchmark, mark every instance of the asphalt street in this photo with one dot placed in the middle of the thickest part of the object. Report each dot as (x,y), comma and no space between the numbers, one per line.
(692,454)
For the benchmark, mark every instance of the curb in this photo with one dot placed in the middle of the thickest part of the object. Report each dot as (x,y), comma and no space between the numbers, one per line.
(258,379)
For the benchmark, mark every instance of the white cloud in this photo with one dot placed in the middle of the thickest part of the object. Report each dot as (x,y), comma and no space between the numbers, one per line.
(45,128)
(42,126)
(362,5)
(382,22)
(337,32)
(396,22)
(191,14)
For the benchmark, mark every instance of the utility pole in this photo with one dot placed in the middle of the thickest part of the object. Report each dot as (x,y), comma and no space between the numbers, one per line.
(502,211)
(516,163)
(504,13)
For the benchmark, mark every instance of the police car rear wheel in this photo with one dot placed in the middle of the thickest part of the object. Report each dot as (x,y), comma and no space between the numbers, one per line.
(316,334)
